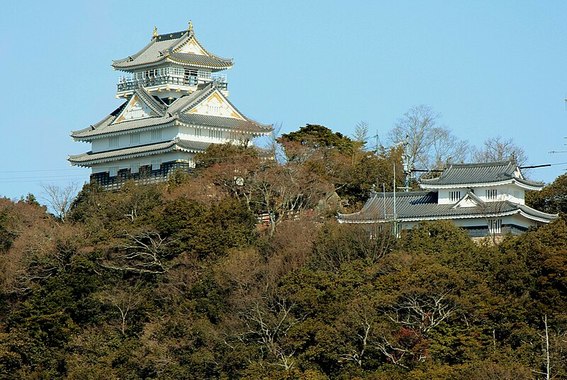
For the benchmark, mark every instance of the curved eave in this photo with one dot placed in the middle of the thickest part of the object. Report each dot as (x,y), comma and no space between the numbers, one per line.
(191,37)
(255,133)
(128,153)
(121,62)
(218,65)
(127,66)
(538,217)
(124,131)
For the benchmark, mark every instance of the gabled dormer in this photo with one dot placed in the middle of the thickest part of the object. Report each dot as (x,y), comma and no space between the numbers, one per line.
(489,182)
(140,105)
(170,66)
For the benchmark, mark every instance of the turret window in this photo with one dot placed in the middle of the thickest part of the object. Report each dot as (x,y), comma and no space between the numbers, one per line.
(454,196)
(491,194)
(495,226)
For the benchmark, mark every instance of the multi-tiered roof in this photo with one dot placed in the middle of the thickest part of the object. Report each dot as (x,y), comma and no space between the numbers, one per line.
(180,47)
(480,174)
(468,194)
(175,105)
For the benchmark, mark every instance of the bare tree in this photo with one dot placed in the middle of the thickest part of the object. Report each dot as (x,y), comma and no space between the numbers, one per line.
(362,338)
(422,312)
(267,323)
(428,145)
(59,199)
(141,253)
(500,149)
(125,300)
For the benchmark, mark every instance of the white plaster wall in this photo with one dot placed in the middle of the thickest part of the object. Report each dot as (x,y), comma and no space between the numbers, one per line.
(103,144)
(515,219)
(511,193)
(141,161)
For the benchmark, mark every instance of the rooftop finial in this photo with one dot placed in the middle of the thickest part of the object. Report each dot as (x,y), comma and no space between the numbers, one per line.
(190,28)
(155,34)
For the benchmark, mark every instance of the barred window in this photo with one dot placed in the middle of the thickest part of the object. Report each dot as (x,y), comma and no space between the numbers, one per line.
(491,194)
(215,134)
(454,196)
(156,135)
(495,226)
(114,142)
(134,138)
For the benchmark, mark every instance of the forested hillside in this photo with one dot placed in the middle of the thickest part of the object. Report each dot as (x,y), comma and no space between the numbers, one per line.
(181,281)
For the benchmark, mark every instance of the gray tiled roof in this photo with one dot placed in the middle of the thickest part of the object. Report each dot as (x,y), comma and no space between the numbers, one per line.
(168,115)
(200,60)
(106,127)
(155,104)
(189,101)
(479,173)
(162,47)
(225,122)
(422,205)
(90,158)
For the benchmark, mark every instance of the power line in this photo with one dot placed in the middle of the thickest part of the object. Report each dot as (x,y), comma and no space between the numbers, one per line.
(38,170)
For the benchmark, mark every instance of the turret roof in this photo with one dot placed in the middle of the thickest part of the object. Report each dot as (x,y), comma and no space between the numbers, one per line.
(169,47)
(422,205)
(467,175)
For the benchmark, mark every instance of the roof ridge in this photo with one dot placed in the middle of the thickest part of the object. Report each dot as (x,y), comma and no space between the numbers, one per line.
(206,91)
(150,101)
(480,164)
(191,36)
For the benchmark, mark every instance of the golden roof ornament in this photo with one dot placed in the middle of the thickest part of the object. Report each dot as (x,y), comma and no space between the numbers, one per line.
(155,34)
(190,27)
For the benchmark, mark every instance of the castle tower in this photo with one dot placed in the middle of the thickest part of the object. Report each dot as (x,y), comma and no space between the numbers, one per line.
(175,105)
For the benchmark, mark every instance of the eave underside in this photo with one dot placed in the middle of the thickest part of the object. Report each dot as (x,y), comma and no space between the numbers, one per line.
(88,159)
(423,206)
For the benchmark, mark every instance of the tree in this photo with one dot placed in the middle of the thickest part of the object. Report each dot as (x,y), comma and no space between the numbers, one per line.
(427,144)
(361,133)
(144,252)
(316,137)
(125,299)
(552,198)
(60,199)
(500,149)
(225,153)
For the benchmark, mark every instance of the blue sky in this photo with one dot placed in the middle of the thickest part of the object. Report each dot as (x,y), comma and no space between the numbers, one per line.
(490,68)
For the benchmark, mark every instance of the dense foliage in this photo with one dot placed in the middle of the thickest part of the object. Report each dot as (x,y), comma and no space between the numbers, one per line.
(180,281)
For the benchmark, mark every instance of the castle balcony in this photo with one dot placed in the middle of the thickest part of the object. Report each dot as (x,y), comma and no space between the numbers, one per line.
(126,86)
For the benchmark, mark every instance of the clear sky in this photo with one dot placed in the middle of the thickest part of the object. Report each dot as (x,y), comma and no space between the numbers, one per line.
(490,68)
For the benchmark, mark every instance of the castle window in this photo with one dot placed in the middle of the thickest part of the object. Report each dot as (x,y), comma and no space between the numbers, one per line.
(135,167)
(495,226)
(156,135)
(215,134)
(114,142)
(491,194)
(454,196)
(134,138)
